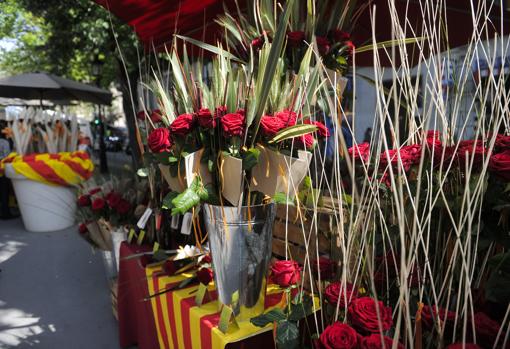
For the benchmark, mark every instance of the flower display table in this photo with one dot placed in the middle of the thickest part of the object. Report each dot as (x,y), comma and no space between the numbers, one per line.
(172,319)
(136,325)
(180,323)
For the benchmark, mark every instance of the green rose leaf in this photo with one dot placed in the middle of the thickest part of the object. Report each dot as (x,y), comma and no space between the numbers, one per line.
(287,335)
(301,310)
(185,201)
(268,318)
(250,158)
(167,200)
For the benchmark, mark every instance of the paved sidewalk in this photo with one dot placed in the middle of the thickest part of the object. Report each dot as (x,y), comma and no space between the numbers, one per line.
(53,291)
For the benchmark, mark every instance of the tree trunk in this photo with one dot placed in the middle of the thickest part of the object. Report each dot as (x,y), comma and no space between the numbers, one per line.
(129,96)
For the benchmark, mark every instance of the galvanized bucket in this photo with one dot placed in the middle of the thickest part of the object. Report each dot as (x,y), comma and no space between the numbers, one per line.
(240,240)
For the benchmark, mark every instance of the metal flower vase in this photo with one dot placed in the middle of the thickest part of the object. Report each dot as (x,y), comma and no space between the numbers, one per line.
(240,240)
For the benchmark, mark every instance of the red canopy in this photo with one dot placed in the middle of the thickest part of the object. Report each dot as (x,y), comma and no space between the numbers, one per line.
(155,21)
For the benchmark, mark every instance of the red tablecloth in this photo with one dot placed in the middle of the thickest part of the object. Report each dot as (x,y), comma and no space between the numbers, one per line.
(136,321)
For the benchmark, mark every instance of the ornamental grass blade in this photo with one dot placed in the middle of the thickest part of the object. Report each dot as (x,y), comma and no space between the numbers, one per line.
(292,132)
(389,44)
(269,70)
(214,49)
(168,107)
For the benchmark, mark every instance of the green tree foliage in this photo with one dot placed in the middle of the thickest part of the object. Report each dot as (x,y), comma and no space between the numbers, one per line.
(64,37)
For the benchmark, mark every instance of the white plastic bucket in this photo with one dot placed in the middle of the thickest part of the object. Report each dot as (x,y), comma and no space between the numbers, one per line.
(43,207)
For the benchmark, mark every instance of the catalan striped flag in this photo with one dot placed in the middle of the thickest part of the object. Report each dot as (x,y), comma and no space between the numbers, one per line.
(64,169)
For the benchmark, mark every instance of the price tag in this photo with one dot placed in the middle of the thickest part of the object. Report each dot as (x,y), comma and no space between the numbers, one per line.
(156,247)
(175,222)
(199,298)
(187,221)
(144,218)
(225,316)
(140,237)
(131,235)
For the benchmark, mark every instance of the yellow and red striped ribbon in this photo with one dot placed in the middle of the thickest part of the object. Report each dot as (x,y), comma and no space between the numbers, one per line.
(182,324)
(62,169)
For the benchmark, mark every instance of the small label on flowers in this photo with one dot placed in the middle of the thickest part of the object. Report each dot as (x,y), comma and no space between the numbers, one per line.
(131,235)
(199,298)
(140,237)
(175,222)
(145,217)
(225,317)
(186,223)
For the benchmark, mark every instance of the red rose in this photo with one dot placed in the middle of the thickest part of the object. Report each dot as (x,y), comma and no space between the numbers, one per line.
(288,117)
(220,111)
(84,200)
(233,124)
(257,43)
(98,204)
(360,152)
(471,149)
(82,229)
(323,44)
(486,329)
(499,165)
(444,155)
(306,141)
(159,140)
(94,191)
(113,199)
(141,115)
(322,130)
(270,125)
(285,273)
(206,259)
(502,142)
(430,316)
(326,267)
(433,141)
(295,38)
(463,346)
(182,125)
(412,153)
(363,314)
(349,47)
(205,118)
(339,336)
(205,275)
(123,207)
(339,35)
(409,156)
(156,116)
(336,292)
(376,341)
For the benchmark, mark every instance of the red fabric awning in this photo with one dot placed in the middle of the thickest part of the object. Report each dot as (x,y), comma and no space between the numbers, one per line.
(155,21)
